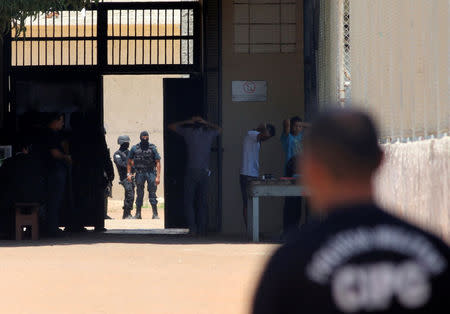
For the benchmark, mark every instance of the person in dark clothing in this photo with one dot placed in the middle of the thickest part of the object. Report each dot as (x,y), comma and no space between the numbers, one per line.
(78,140)
(291,140)
(22,180)
(108,174)
(198,135)
(92,170)
(359,258)
(145,159)
(105,172)
(121,161)
(292,210)
(56,161)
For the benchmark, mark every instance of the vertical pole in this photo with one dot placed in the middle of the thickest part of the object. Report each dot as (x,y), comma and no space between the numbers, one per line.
(46,41)
(31,40)
(135,37)
(219,109)
(102,45)
(181,36)
(128,37)
(188,51)
(151,35)
(23,47)
(61,35)
(84,41)
(255,218)
(340,52)
(120,35)
(76,41)
(157,51)
(250,226)
(143,35)
(39,36)
(69,24)
(197,39)
(113,34)
(173,34)
(5,67)
(53,35)
(92,35)
(165,35)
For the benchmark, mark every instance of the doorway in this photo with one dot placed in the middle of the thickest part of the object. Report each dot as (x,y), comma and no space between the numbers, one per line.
(131,104)
(114,39)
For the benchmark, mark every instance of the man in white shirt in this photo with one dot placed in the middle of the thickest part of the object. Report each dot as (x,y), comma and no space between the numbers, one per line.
(250,158)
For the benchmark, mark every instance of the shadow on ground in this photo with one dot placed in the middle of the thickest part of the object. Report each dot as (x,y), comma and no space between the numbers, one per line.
(157,237)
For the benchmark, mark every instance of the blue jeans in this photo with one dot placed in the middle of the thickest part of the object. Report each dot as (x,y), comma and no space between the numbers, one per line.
(150,178)
(196,193)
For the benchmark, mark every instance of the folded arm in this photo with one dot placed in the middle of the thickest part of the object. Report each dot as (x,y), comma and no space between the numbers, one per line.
(174,126)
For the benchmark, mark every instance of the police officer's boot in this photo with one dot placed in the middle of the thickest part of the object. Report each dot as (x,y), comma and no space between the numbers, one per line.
(126,214)
(138,213)
(155,211)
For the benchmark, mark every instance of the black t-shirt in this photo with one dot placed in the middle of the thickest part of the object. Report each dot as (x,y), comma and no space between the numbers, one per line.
(48,140)
(360,259)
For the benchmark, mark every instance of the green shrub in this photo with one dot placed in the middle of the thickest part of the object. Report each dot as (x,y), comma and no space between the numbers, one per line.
(14,12)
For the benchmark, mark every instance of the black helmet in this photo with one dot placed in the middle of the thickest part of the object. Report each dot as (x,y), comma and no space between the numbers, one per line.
(123,139)
(143,133)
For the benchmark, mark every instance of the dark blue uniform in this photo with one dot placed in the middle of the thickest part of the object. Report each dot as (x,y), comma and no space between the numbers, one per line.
(359,259)
(121,159)
(145,164)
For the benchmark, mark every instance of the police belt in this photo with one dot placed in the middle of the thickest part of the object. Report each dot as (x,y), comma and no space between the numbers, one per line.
(146,170)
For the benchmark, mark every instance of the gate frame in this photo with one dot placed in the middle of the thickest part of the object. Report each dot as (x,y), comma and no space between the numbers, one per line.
(198,68)
(102,67)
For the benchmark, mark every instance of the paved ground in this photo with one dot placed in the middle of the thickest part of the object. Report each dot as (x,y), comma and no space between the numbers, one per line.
(130,273)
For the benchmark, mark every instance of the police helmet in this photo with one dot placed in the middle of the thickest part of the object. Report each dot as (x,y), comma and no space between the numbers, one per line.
(123,139)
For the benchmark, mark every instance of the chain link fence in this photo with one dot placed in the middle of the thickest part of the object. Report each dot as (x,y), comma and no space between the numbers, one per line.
(392,59)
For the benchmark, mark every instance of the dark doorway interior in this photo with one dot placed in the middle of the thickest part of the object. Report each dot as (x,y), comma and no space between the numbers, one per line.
(33,96)
(72,79)
(183,98)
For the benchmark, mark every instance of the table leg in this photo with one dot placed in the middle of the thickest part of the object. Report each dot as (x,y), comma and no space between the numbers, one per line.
(250,217)
(255,218)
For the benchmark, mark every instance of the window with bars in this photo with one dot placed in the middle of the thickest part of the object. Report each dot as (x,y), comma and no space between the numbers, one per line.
(57,39)
(151,37)
(115,36)
(265,26)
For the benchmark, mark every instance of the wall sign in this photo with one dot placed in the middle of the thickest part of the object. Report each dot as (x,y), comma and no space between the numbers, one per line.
(249,91)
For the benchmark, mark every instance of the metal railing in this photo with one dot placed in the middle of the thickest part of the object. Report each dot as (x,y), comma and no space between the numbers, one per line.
(127,37)
(58,39)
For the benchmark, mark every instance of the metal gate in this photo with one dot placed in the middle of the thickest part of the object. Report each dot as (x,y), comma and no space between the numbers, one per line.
(127,38)
(152,38)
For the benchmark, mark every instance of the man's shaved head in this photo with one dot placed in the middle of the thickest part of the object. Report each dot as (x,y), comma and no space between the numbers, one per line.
(346,142)
(341,154)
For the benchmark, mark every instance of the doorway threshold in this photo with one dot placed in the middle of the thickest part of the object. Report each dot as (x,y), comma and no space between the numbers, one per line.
(148,231)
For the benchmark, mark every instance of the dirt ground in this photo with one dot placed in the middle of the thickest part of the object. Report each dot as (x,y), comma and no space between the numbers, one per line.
(115,211)
(130,272)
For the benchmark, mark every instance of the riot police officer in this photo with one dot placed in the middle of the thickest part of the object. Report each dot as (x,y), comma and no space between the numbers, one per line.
(121,159)
(144,157)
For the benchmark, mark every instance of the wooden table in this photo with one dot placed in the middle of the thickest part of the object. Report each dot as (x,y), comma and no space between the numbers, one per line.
(267,188)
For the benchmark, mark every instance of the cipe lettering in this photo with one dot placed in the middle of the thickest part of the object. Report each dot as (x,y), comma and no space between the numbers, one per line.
(372,287)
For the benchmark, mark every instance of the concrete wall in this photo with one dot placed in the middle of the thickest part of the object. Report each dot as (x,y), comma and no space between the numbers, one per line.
(133,103)
(284,76)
